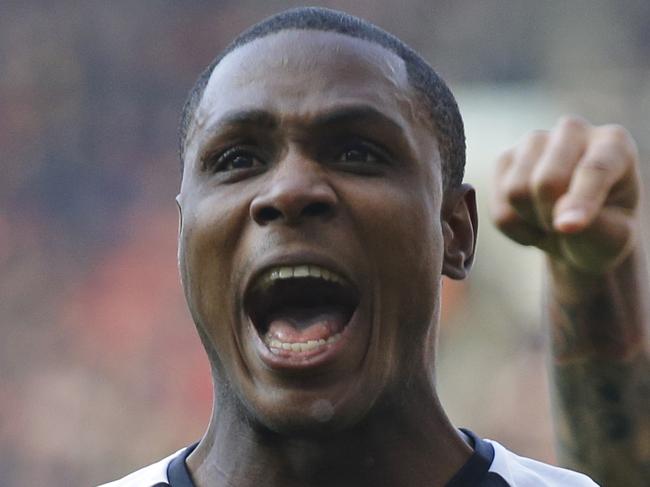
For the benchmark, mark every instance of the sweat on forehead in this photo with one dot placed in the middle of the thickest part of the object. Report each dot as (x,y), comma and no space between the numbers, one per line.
(440,103)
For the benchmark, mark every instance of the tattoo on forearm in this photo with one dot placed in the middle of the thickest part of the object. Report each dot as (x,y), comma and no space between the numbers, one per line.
(603,424)
(599,327)
(601,371)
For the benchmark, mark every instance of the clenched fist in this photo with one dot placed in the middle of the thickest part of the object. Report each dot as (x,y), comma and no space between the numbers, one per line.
(573,192)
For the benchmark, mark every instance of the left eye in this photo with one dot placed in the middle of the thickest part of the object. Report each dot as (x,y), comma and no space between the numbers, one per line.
(234,160)
(359,153)
(241,161)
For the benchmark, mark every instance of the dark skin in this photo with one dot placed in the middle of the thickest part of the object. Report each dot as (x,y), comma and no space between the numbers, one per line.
(574,192)
(310,148)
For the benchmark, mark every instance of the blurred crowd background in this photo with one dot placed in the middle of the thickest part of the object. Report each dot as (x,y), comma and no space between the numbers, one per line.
(100,368)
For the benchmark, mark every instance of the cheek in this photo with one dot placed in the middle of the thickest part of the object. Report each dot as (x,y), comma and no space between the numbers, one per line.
(404,230)
(403,235)
(207,245)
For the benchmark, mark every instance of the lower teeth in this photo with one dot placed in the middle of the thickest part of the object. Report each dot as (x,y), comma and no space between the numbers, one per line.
(276,345)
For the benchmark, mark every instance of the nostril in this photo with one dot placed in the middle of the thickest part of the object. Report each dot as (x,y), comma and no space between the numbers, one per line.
(268,214)
(317,208)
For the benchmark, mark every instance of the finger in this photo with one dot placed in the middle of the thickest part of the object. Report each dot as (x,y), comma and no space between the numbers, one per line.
(511,224)
(504,162)
(516,187)
(609,238)
(502,168)
(610,158)
(552,175)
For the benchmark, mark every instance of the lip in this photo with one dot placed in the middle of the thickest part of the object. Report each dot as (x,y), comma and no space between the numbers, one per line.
(296,259)
(318,360)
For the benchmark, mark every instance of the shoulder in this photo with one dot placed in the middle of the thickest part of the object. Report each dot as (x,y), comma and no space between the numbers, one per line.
(150,476)
(524,472)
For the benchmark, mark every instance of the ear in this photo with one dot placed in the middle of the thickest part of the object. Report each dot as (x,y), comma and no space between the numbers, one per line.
(180,214)
(459,229)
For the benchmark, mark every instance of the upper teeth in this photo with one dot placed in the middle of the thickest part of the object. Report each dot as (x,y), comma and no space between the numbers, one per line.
(288,272)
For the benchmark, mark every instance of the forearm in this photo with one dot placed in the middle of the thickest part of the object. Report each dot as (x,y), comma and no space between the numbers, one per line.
(601,370)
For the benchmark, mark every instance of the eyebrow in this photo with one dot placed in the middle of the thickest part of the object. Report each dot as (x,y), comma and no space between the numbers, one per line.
(355,114)
(345,115)
(246,118)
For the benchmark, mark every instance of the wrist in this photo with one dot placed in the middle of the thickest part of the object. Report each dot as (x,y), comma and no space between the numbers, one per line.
(602,316)
(570,284)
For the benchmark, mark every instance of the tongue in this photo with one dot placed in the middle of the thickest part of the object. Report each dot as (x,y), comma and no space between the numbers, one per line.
(296,325)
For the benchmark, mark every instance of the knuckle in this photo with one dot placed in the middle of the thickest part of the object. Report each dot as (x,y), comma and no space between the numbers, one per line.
(617,132)
(536,139)
(504,160)
(621,139)
(571,123)
(597,164)
(505,155)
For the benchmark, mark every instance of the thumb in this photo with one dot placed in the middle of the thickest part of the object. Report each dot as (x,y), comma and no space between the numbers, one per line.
(603,244)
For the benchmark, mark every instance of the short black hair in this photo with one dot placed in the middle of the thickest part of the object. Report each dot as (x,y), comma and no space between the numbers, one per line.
(442,106)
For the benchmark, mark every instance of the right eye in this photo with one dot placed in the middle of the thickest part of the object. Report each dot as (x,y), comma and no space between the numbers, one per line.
(234,159)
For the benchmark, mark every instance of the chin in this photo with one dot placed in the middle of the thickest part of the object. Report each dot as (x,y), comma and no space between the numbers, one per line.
(309,415)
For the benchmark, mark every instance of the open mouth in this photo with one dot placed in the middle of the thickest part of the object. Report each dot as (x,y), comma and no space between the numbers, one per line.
(301,311)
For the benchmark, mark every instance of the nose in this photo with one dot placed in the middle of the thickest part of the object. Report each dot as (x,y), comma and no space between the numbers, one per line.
(297,190)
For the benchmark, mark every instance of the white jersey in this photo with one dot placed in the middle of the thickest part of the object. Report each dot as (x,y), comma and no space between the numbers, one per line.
(491,465)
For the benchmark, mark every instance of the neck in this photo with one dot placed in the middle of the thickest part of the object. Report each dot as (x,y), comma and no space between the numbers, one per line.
(406,442)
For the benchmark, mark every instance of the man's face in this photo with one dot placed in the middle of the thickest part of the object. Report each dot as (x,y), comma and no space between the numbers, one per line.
(311,243)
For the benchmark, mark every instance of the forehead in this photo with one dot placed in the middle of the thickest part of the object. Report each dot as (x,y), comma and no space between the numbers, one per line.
(297,74)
